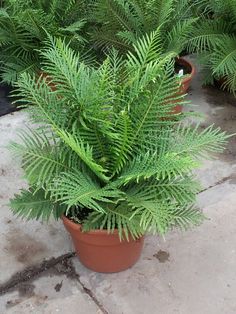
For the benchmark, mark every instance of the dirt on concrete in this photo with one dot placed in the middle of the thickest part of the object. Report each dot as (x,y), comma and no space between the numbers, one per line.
(58,286)
(23,281)
(162,256)
(23,247)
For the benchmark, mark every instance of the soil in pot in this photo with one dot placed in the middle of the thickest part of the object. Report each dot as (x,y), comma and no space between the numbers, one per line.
(103,252)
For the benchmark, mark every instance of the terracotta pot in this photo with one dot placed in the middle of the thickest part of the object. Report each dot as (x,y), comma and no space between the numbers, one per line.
(185,81)
(45,76)
(103,252)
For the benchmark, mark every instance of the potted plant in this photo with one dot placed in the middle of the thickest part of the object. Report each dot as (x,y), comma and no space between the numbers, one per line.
(104,156)
(214,41)
(24,25)
(120,24)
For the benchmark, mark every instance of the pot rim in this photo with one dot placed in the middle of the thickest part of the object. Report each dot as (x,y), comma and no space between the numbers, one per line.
(76,226)
(190,65)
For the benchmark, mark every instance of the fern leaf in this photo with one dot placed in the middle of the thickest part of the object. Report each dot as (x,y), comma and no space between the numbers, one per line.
(198,143)
(41,159)
(181,190)
(121,147)
(77,189)
(224,56)
(118,218)
(168,165)
(147,49)
(34,204)
(160,217)
(50,108)
(84,151)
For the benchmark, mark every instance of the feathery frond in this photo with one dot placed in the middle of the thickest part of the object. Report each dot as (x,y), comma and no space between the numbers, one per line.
(35,204)
(215,37)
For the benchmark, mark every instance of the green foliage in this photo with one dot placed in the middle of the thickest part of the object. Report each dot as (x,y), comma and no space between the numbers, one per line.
(215,36)
(113,151)
(24,26)
(35,204)
(120,23)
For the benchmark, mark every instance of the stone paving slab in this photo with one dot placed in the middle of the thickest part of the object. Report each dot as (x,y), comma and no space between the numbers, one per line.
(49,295)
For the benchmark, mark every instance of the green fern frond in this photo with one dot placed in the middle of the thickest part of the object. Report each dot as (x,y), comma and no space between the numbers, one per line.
(129,38)
(180,189)
(230,83)
(34,204)
(74,27)
(147,49)
(11,71)
(206,34)
(160,217)
(118,218)
(161,10)
(84,151)
(198,143)
(57,59)
(50,108)
(77,189)
(60,7)
(107,40)
(144,167)
(183,30)
(119,13)
(41,160)
(120,23)
(121,147)
(224,56)
(161,100)
(24,26)
(100,140)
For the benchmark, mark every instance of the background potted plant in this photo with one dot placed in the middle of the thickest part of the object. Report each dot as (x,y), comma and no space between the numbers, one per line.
(104,155)
(214,39)
(24,25)
(120,24)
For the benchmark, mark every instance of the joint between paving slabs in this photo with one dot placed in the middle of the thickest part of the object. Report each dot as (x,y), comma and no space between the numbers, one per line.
(60,265)
(221,181)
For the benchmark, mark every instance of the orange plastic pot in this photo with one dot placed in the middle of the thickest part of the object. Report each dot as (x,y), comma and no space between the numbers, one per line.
(103,252)
(185,81)
(43,75)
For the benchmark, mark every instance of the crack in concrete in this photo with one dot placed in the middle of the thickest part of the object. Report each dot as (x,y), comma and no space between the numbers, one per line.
(59,265)
(90,293)
(31,272)
(221,181)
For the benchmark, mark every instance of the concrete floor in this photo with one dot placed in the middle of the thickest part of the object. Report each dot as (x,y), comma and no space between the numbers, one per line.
(192,272)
